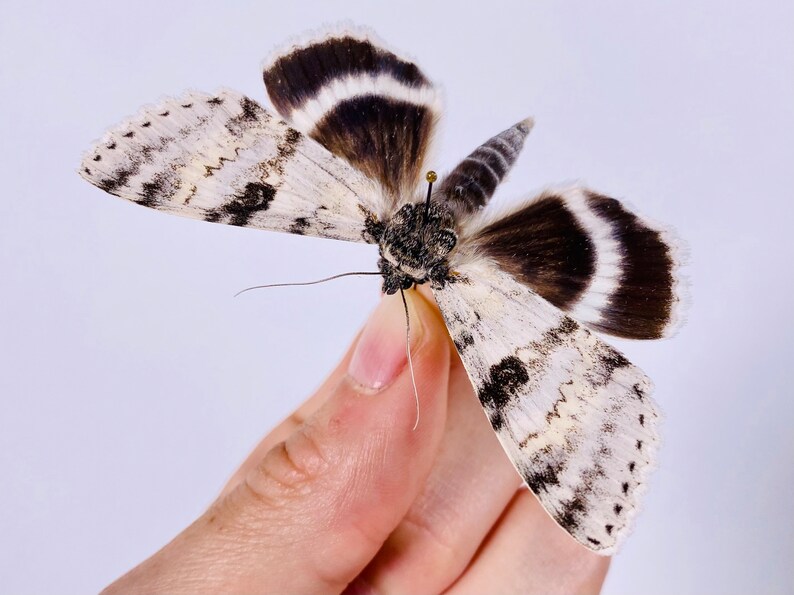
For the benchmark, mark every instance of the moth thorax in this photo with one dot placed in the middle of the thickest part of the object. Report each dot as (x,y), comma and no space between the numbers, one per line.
(415,245)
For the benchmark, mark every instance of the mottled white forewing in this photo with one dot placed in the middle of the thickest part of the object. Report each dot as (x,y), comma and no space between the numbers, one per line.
(223,158)
(574,416)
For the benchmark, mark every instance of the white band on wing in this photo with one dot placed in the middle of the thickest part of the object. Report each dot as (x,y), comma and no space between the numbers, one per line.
(306,117)
(608,260)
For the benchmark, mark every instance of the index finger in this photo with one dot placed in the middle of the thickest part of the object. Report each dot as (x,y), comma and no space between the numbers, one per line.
(295,420)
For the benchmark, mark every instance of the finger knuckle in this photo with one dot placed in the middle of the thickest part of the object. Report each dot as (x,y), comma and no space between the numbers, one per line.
(296,419)
(439,547)
(292,468)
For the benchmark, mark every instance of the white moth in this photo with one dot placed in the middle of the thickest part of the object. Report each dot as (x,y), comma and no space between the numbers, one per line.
(520,292)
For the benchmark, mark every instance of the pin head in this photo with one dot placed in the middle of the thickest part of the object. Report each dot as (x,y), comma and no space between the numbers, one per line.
(431,176)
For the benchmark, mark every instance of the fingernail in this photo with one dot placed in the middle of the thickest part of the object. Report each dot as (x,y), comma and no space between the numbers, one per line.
(380,355)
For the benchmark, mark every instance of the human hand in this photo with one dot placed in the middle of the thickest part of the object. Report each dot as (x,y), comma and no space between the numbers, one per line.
(344,496)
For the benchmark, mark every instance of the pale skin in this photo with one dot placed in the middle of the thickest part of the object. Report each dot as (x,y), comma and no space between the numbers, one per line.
(345,496)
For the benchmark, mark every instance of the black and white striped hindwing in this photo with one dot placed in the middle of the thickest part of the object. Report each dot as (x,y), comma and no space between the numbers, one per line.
(361,102)
(518,290)
(590,256)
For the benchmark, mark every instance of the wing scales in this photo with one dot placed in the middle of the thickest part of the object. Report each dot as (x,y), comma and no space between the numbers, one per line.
(223,158)
(574,416)
(590,256)
(360,101)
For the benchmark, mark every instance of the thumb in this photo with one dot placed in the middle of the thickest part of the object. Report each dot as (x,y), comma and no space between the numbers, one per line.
(317,508)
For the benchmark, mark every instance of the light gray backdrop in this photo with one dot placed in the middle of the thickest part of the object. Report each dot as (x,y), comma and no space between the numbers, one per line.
(132,383)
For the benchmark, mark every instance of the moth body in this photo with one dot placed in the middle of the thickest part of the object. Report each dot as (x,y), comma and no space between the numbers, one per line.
(415,247)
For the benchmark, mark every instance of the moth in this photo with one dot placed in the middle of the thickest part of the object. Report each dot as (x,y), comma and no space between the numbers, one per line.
(521,291)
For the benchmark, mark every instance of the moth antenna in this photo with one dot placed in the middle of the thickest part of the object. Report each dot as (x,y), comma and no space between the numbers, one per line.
(408,351)
(331,278)
(431,177)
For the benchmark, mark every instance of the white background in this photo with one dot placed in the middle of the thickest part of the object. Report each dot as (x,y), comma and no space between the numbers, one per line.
(131,383)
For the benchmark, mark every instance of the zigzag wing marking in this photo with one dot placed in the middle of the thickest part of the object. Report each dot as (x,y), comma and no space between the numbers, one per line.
(574,416)
(223,158)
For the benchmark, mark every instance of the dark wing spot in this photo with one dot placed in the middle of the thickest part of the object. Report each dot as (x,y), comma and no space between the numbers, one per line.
(464,340)
(150,191)
(250,109)
(247,118)
(215,101)
(299,226)
(554,335)
(187,105)
(112,145)
(618,508)
(165,113)
(642,419)
(284,151)
(159,188)
(612,360)
(129,134)
(593,541)
(631,466)
(570,513)
(98,158)
(639,444)
(256,197)
(146,124)
(609,529)
(539,480)
(504,380)
(86,170)
(292,137)
(120,178)
(567,326)
(625,487)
